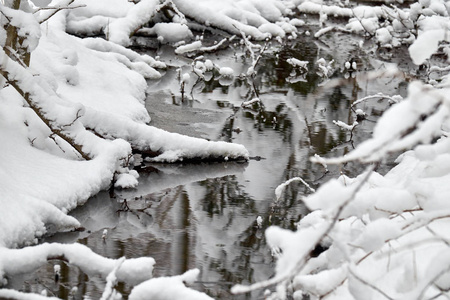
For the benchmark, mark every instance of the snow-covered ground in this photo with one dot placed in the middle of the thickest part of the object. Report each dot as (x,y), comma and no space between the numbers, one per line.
(84,113)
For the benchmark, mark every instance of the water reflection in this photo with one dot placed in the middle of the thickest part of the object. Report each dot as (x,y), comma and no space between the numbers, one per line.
(203,215)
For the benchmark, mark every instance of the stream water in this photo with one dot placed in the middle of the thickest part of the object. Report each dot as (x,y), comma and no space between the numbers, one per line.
(203,215)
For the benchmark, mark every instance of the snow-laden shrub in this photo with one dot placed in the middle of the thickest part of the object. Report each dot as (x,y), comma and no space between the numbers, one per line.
(383,234)
(385,237)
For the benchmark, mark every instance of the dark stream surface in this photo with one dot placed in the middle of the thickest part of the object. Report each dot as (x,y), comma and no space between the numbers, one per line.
(204,215)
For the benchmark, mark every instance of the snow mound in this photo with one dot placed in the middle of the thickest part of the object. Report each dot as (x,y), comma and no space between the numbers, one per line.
(168,288)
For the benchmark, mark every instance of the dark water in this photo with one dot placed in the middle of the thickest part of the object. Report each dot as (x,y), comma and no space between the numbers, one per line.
(204,215)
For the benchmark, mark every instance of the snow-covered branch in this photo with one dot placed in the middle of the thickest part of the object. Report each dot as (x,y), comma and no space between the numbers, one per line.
(421,122)
(120,30)
(168,288)
(16,76)
(21,261)
(295,253)
(391,99)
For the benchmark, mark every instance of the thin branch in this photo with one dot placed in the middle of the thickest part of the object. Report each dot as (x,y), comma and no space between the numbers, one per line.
(52,136)
(7,17)
(369,284)
(379,95)
(57,9)
(170,5)
(444,240)
(362,25)
(78,115)
(431,281)
(406,247)
(10,51)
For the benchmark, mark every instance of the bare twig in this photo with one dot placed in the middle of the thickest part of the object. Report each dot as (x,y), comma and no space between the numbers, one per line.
(57,9)
(11,52)
(362,25)
(78,115)
(52,136)
(357,277)
(432,281)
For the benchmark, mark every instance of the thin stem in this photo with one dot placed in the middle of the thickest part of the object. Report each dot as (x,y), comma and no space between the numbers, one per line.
(369,284)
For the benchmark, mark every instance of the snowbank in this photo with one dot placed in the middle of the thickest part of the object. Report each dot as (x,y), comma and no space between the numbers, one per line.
(255,19)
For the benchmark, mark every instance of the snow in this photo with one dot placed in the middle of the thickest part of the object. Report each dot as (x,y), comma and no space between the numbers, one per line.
(345,126)
(111,281)
(226,71)
(279,189)
(323,282)
(29,27)
(383,36)
(13,294)
(126,181)
(189,47)
(92,90)
(259,221)
(49,185)
(185,78)
(169,288)
(297,63)
(426,44)
(21,261)
(272,29)
(119,30)
(249,103)
(171,32)
(237,16)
